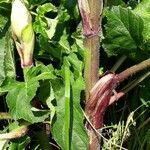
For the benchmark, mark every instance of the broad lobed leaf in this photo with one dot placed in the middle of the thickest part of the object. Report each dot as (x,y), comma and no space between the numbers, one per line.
(123,31)
(143,10)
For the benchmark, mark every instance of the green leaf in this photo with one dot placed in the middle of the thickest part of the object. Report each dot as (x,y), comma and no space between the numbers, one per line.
(20,143)
(3,22)
(52,23)
(78,45)
(70,5)
(49,50)
(40,72)
(66,105)
(78,137)
(115,3)
(123,32)
(9,64)
(8,85)
(2,56)
(36,2)
(143,10)
(51,105)
(64,43)
(7,68)
(58,125)
(18,100)
(5,1)
(23,92)
(77,65)
(40,26)
(52,26)
(46,96)
(44,25)
(47,7)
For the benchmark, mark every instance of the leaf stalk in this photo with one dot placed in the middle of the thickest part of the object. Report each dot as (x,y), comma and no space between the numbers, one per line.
(16,133)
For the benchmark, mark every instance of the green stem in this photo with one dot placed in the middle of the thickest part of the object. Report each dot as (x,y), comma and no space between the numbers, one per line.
(134,83)
(118,63)
(25,70)
(144,123)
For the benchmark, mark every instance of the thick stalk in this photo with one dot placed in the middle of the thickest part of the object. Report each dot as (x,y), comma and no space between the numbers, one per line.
(91,11)
(92,45)
(91,63)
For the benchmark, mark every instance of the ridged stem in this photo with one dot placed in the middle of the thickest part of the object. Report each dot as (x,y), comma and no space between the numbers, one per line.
(91,12)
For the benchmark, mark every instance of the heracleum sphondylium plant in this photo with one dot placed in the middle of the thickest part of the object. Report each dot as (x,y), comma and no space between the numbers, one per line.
(22,31)
(59,45)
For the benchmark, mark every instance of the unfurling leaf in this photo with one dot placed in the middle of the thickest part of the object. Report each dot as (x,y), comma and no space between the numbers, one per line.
(22,30)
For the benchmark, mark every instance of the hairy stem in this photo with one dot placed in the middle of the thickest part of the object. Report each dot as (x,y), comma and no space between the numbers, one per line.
(133,70)
(91,11)
(91,63)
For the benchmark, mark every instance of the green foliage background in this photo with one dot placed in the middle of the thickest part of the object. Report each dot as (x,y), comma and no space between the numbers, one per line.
(56,80)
